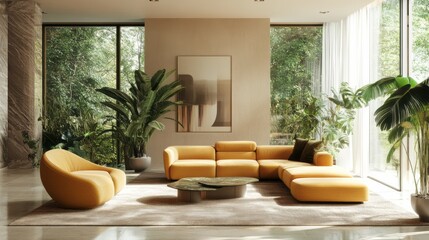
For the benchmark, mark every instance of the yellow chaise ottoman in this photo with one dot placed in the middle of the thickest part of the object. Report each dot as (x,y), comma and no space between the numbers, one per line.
(329,190)
(289,174)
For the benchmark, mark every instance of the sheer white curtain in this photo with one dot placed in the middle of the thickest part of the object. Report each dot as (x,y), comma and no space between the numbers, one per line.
(350,54)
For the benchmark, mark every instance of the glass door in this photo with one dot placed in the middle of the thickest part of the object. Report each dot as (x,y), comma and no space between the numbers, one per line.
(389,55)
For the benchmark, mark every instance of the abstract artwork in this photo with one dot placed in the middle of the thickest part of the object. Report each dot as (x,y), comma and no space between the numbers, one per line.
(207,94)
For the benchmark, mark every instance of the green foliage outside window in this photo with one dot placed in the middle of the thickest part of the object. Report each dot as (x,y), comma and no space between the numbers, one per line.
(301,107)
(295,80)
(78,61)
(420,39)
(297,108)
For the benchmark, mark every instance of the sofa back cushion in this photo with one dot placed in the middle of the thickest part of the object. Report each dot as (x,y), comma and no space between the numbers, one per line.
(298,147)
(307,154)
(195,152)
(235,150)
(235,146)
(235,155)
(274,152)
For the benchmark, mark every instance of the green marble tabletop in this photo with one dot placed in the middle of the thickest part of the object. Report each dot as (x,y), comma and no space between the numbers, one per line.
(227,181)
(190,184)
(209,184)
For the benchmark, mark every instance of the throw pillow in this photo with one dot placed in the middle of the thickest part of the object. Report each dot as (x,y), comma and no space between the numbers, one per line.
(309,151)
(298,148)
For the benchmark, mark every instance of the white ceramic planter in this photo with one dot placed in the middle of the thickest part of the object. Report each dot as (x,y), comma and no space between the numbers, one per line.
(421,207)
(139,164)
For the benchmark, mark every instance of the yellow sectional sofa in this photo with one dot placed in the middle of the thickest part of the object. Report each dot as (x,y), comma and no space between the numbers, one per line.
(74,182)
(308,181)
(234,158)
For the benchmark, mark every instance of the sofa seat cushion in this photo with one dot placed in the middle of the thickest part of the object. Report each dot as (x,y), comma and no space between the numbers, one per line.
(290,164)
(100,187)
(237,168)
(329,190)
(268,168)
(192,168)
(313,172)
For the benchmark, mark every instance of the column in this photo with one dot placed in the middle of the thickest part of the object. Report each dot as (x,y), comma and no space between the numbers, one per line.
(3,84)
(24,81)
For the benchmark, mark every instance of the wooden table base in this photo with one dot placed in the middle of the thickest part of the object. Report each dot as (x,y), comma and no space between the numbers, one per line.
(227,192)
(221,193)
(190,196)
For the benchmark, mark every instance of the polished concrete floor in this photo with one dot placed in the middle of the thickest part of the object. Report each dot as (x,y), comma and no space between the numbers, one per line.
(21,191)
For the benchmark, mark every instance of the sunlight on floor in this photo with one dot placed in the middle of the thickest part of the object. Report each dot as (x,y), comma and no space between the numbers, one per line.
(21,192)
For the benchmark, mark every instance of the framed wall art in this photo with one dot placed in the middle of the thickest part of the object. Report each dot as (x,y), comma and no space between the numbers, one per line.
(206,96)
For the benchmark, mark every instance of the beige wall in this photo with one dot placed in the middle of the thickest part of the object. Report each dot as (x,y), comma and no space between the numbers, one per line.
(247,41)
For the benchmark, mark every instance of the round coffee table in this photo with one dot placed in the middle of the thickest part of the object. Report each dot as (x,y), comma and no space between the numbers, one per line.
(196,188)
(190,190)
(228,187)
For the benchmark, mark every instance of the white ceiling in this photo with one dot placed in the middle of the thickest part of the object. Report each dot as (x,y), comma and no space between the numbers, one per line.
(279,11)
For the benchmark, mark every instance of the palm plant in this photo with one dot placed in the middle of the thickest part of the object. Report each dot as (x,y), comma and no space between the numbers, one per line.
(139,111)
(404,113)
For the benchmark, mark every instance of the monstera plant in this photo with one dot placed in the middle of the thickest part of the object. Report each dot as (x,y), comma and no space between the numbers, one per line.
(405,113)
(138,112)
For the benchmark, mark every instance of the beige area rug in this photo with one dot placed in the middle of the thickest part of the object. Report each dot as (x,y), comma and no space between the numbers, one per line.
(147,201)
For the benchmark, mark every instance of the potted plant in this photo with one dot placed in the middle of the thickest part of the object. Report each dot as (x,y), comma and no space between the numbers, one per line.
(405,113)
(138,112)
(336,124)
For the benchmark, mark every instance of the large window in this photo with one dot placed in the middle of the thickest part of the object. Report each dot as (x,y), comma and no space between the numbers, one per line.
(296,53)
(389,55)
(80,59)
(132,54)
(419,66)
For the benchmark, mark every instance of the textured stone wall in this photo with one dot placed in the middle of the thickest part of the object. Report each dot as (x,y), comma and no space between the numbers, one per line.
(38,77)
(3,84)
(24,79)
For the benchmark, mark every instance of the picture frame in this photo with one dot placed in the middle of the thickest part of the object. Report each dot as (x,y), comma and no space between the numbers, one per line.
(207,98)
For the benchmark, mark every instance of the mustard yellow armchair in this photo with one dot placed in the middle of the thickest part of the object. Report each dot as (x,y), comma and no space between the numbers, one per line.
(74,182)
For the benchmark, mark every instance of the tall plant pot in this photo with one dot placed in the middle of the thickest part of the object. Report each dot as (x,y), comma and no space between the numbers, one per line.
(421,207)
(139,164)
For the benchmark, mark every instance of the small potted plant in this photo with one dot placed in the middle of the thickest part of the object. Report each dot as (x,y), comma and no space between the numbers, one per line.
(405,113)
(138,113)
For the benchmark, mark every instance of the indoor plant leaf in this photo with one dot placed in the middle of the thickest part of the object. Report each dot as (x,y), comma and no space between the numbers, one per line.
(401,104)
(157,125)
(116,107)
(380,88)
